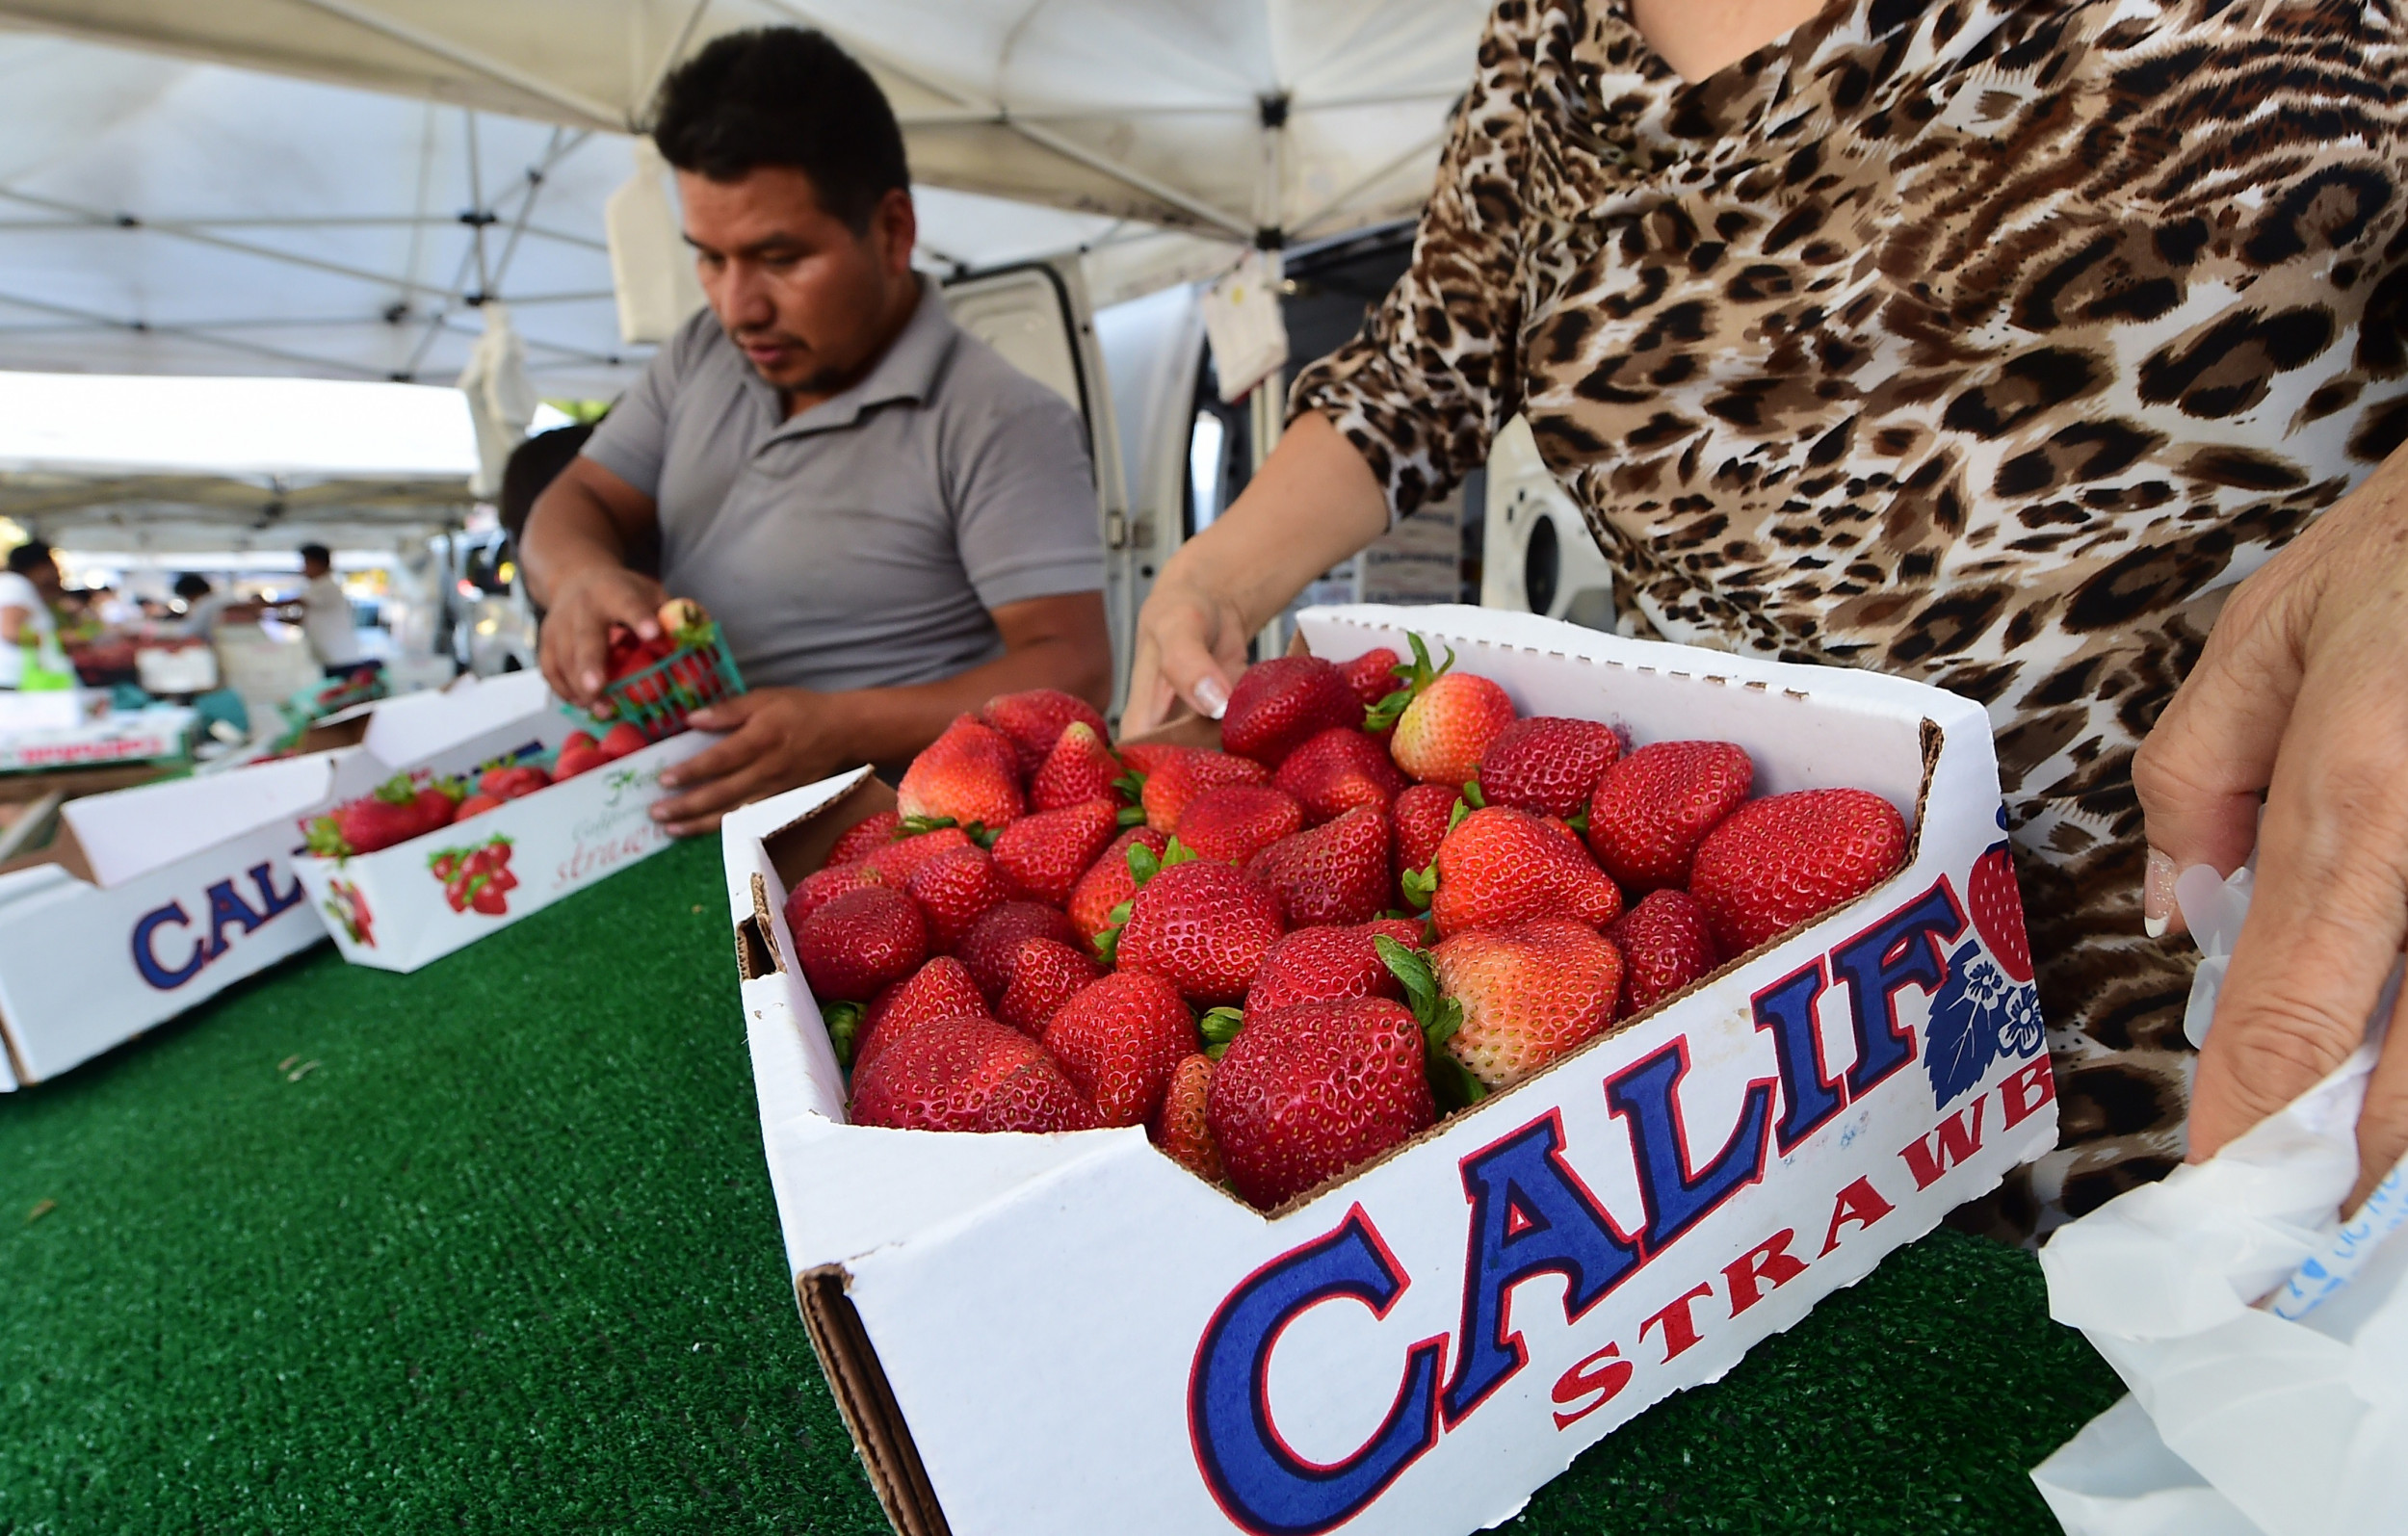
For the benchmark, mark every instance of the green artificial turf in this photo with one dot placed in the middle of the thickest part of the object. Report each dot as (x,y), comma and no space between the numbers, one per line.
(491,1247)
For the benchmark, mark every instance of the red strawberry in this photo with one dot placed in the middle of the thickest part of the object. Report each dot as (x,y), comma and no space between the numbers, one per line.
(1336,872)
(967,1074)
(817,890)
(970,775)
(1045,975)
(1444,720)
(955,889)
(1308,1092)
(1548,764)
(620,739)
(1033,721)
(387,814)
(896,861)
(1654,807)
(1184,772)
(864,838)
(437,805)
(861,941)
(476,805)
(1179,1129)
(1108,881)
(1080,769)
(1280,704)
(1372,675)
(1500,867)
(1338,770)
(575,760)
(992,946)
(1118,1039)
(1423,815)
(1041,856)
(1775,863)
(1238,821)
(511,781)
(1145,757)
(1203,925)
(492,898)
(1666,944)
(1997,908)
(577,739)
(1528,994)
(941,989)
(1328,965)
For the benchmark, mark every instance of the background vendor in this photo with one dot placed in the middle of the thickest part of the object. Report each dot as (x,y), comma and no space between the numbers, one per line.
(890,522)
(30,654)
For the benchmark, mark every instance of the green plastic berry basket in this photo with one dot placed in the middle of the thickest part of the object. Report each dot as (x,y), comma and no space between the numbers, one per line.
(657,700)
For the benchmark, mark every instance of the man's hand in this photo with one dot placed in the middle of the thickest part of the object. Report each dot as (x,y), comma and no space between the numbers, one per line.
(777,738)
(2302,692)
(576,636)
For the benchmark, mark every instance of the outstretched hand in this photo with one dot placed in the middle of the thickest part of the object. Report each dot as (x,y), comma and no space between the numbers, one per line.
(2302,696)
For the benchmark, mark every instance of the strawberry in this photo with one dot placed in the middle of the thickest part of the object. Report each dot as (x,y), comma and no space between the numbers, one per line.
(1145,757)
(1328,965)
(1045,975)
(955,889)
(1423,815)
(1775,863)
(1178,1127)
(895,861)
(684,626)
(577,739)
(1279,705)
(1041,856)
(1666,944)
(1108,881)
(941,989)
(1033,721)
(1655,806)
(1997,908)
(1236,821)
(817,890)
(387,814)
(1080,769)
(438,804)
(991,948)
(1338,770)
(476,805)
(1444,720)
(1205,926)
(574,761)
(510,781)
(1500,867)
(861,941)
(1118,1039)
(1308,1092)
(1336,872)
(1184,772)
(1528,994)
(969,776)
(967,1074)
(620,739)
(864,838)
(1547,763)
(1372,675)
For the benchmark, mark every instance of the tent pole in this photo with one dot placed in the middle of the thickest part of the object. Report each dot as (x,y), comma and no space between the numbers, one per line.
(594,113)
(1267,405)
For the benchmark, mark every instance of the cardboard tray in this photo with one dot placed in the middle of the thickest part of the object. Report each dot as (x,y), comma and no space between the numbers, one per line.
(1070,1333)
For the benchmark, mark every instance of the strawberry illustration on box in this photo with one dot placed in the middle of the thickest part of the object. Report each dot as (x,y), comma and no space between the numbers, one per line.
(1489,1028)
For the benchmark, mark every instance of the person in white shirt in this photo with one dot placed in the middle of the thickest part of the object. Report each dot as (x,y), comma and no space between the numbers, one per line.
(30,655)
(325,615)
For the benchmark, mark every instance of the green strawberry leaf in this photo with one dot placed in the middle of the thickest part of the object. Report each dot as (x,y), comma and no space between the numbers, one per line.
(395,790)
(1217,1052)
(1131,815)
(914,825)
(1451,1084)
(1131,786)
(1395,915)
(1473,797)
(1178,852)
(325,839)
(1412,970)
(1455,818)
(978,833)
(1107,942)
(1382,715)
(1143,865)
(1220,1025)
(1578,821)
(1418,885)
(843,1024)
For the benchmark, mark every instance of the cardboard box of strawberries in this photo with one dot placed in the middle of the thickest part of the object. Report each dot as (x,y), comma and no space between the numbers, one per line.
(1342,1123)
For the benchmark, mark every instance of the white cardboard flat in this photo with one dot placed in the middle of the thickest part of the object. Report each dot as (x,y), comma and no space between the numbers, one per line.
(389,909)
(1069,1333)
(194,888)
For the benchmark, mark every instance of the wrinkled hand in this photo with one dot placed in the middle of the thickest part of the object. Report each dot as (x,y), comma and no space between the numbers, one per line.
(2302,692)
(576,636)
(1190,647)
(777,738)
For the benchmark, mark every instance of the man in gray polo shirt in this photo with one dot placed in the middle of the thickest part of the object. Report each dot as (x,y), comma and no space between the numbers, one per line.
(891,523)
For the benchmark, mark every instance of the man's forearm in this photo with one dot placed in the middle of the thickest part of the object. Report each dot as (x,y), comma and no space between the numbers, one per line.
(569,530)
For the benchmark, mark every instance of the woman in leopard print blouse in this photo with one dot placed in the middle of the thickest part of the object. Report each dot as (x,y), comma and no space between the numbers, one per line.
(1987,342)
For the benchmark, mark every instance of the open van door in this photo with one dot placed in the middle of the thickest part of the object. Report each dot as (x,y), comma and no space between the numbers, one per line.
(1036,315)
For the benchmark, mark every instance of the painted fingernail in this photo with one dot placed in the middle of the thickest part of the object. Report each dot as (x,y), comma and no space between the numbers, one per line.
(2156,896)
(1212,697)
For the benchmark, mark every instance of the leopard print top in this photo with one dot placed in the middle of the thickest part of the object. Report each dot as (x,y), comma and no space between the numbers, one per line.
(1989,342)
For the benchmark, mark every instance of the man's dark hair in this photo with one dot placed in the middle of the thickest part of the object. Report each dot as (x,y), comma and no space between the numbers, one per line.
(533,465)
(192,586)
(316,555)
(26,556)
(784,96)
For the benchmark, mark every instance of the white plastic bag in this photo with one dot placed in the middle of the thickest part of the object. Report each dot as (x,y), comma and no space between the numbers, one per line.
(2241,1422)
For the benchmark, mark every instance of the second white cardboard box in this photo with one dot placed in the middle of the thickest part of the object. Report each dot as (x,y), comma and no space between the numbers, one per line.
(1034,1335)
(390,909)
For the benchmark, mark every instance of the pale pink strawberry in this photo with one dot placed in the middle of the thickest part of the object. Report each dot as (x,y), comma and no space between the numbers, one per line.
(1045,975)
(1548,764)
(970,776)
(1335,873)
(1666,944)
(1775,863)
(1444,720)
(1236,821)
(1080,769)
(1280,704)
(1338,770)
(1118,1039)
(1041,855)
(1501,866)
(1528,994)
(1654,807)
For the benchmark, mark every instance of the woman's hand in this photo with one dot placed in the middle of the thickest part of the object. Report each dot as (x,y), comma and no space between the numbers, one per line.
(1190,647)
(2302,693)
